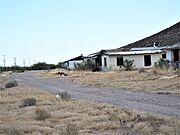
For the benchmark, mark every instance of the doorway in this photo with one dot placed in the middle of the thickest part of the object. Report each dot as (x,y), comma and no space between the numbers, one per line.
(147,60)
(176,55)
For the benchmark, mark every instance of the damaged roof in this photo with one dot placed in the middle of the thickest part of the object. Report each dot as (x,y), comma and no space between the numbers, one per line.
(134,52)
(169,36)
(102,52)
(81,57)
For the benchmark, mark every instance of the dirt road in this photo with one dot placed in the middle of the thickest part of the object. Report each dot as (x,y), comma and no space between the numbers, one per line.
(153,103)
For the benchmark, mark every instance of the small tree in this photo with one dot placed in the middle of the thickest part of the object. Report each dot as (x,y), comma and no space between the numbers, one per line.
(43,66)
(128,64)
(162,64)
(88,65)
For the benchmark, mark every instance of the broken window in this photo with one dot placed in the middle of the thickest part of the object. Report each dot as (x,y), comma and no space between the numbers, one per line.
(105,62)
(164,56)
(119,61)
(147,60)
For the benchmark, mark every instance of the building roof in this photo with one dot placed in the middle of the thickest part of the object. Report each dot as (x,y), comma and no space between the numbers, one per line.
(81,57)
(169,36)
(134,52)
(101,52)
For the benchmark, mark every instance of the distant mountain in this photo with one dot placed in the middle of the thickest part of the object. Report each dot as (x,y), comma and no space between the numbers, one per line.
(169,36)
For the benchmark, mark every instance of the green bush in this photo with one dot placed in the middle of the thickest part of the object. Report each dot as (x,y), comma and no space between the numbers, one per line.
(42,66)
(11,84)
(1,89)
(28,102)
(64,95)
(128,64)
(13,131)
(142,70)
(162,64)
(177,72)
(70,129)
(42,114)
(85,66)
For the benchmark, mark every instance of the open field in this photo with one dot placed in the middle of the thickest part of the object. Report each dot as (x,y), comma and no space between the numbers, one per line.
(154,81)
(74,117)
(162,104)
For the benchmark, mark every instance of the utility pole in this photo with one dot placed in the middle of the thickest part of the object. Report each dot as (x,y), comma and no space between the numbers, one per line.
(24,63)
(29,61)
(15,61)
(4,60)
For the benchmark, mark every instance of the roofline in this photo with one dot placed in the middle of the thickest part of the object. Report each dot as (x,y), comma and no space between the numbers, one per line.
(81,57)
(134,53)
(126,46)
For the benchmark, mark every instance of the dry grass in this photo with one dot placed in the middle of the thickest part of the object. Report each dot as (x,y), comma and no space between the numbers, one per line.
(154,80)
(74,117)
(4,77)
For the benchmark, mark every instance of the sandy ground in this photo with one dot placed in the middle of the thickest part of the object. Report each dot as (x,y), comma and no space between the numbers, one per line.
(153,81)
(163,104)
(74,116)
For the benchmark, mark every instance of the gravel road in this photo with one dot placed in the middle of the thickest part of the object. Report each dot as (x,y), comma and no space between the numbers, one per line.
(152,103)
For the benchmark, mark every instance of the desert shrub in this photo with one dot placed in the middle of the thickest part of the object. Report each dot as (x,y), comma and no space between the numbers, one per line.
(177,72)
(162,64)
(43,66)
(1,89)
(42,114)
(64,95)
(13,131)
(85,66)
(28,102)
(142,70)
(70,129)
(128,64)
(155,72)
(11,84)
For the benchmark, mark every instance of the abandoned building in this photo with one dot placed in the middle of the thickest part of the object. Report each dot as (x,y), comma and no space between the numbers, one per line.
(70,64)
(145,52)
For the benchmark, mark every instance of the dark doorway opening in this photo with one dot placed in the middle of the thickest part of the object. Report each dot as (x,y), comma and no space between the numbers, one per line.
(147,60)
(164,56)
(105,62)
(119,61)
(176,54)
(98,64)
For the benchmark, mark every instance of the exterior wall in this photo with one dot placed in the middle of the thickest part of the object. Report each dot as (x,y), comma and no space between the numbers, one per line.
(138,61)
(103,67)
(113,62)
(155,58)
(169,55)
(71,64)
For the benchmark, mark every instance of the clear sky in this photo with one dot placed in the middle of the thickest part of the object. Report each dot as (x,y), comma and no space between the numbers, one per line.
(56,30)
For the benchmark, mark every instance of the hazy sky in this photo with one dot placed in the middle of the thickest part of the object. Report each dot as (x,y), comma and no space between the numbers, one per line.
(56,30)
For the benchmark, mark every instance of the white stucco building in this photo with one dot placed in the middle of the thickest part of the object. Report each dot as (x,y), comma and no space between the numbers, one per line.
(70,64)
(142,59)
